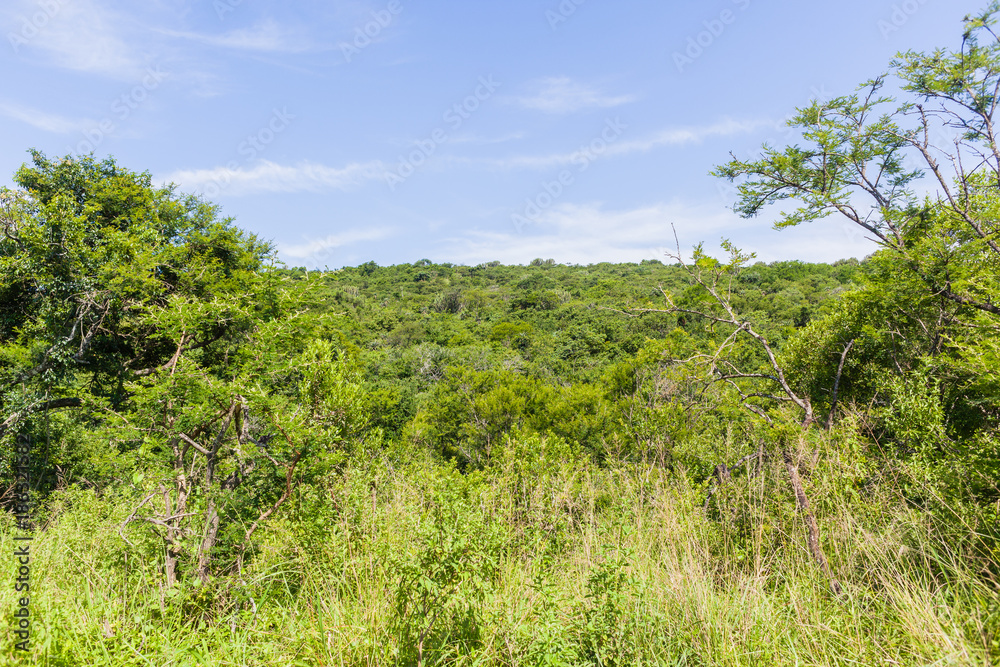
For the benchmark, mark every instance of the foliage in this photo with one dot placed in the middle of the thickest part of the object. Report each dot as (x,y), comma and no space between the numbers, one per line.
(612,464)
(921,329)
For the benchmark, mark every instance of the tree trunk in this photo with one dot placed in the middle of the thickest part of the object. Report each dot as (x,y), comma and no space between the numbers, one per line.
(208,543)
(170,563)
(170,567)
(802,503)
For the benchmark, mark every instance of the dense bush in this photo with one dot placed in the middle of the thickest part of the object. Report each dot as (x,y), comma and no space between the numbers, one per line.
(695,462)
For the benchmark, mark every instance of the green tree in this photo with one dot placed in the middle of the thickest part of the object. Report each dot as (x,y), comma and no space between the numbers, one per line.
(103,278)
(928,310)
(159,323)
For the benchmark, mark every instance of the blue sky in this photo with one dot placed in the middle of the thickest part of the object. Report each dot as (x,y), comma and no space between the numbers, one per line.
(396,130)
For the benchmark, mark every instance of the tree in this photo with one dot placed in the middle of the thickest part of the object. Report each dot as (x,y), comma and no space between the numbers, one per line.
(928,311)
(157,321)
(746,361)
(856,163)
(92,258)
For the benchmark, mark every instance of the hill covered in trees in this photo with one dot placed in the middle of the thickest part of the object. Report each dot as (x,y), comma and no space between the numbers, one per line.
(544,347)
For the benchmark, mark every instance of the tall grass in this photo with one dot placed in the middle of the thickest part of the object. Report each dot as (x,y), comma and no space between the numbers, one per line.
(543,559)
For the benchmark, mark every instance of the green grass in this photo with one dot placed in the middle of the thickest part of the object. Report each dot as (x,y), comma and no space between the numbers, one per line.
(533,562)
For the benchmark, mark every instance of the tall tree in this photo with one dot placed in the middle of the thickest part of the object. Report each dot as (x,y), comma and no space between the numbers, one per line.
(158,322)
(921,177)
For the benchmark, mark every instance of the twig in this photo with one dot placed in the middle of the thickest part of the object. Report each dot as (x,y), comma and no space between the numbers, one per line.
(836,385)
(131,517)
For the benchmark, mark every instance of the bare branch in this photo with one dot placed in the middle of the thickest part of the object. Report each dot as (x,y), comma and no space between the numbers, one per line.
(836,384)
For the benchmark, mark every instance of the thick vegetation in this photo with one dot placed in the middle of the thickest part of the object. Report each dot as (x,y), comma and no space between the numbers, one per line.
(690,462)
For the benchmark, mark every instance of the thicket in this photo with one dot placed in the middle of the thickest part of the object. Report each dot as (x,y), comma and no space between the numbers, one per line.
(693,461)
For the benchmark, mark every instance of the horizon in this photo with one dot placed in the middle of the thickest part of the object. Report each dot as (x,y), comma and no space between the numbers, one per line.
(532,264)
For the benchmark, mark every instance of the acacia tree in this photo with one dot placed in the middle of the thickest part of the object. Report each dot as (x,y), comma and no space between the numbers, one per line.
(931,298)
(746,361)
(921,177)
(865,155)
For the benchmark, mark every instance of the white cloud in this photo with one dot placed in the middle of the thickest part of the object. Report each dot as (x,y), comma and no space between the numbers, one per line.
(318,252)
(268,176)
(121,43)
(267,36)
(588,234)
(667,137)
(45,121)
(81,35)
(561,95)
(687,135)
(821,241)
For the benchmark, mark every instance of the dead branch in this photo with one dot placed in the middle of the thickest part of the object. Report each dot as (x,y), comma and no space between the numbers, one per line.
(131,518)
(802,504)
(284,496)
(836,384)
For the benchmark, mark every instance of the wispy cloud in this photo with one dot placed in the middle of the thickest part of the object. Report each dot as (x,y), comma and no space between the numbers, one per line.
(82,35)
(267,36)
(591,233)
(562,95)
(98,37)
(478,140)
(667,137)
(321,248)
(44,121)
(267,176)
(689,135)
